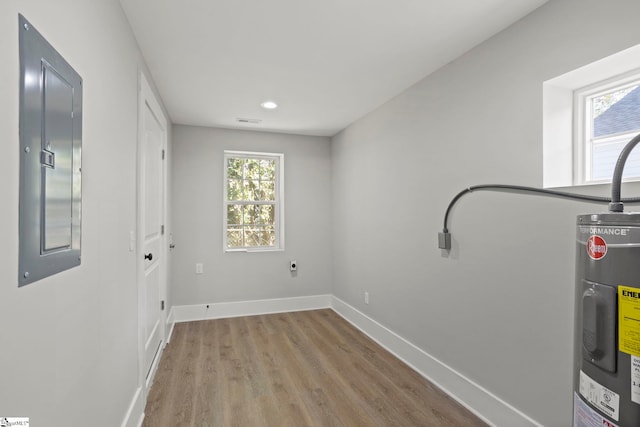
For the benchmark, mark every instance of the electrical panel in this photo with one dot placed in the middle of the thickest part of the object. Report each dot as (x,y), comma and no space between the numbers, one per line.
(50,159)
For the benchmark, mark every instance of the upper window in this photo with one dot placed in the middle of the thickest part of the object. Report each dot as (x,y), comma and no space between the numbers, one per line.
(608,117)
(253,194)
(589,114)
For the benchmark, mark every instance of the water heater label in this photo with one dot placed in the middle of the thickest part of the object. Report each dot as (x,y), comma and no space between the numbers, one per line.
(635,379)
(599,396)
(629,320)
(596,247)
(584,416)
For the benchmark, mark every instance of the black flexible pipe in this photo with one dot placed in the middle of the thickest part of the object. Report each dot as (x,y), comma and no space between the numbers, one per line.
(616,204)
(523,189)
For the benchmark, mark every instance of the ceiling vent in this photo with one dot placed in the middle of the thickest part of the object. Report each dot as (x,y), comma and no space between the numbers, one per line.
(251,121)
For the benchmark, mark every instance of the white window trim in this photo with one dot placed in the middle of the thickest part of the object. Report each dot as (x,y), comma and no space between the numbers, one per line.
(279,202)
(558,102)
(582,141)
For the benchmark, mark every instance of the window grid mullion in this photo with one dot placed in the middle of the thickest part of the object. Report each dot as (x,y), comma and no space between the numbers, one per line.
(591,145)
(242,179)
(251,202)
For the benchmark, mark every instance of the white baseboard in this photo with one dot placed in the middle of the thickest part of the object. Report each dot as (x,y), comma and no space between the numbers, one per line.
(484,404)
(135,413)
(187,313)
(170,324)
(474,397)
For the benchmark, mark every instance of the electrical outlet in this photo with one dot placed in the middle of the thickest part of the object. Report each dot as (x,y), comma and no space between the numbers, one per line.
(199,268)
(366,297)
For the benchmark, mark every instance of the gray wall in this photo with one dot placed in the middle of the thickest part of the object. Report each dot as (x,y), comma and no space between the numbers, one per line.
(69,342)
(499,308)
(197,207)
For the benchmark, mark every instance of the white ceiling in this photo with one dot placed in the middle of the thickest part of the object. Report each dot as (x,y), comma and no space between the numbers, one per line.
(325,62)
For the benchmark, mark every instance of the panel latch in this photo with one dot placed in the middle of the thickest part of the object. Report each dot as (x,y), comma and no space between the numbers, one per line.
(48,159)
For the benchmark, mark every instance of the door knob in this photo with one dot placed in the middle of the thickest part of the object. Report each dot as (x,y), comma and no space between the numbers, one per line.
(148,256)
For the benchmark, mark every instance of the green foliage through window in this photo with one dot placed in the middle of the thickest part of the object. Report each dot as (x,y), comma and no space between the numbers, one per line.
(251,201)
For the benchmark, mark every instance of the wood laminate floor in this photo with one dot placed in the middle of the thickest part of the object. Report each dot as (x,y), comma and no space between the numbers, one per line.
(308,368)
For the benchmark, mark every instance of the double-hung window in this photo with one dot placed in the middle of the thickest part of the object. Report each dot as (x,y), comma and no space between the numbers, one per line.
(607,117)
(589,114)
(253,201)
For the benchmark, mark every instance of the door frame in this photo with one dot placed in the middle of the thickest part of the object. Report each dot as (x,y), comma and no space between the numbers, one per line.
(146,97)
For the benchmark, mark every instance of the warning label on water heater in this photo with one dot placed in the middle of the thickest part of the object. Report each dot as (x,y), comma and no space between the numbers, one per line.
(584,416)
(635,379)
(629,320)
(599,396)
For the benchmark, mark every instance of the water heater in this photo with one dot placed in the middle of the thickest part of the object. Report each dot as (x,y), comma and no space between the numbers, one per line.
(606,376)
(606,368)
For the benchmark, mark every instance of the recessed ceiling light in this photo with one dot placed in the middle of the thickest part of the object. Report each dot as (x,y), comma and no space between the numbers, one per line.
(269,105)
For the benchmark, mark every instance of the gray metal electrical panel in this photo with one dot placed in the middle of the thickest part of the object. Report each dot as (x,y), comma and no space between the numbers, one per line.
(50,159)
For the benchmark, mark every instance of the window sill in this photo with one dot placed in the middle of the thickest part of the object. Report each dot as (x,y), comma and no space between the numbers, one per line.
(253,250)
(593,185)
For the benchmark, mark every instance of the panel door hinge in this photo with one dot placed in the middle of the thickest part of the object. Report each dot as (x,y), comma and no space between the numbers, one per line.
(162,229)
(162,305)
(162,154)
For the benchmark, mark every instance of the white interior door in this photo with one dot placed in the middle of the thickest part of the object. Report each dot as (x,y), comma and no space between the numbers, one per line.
(151,193)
